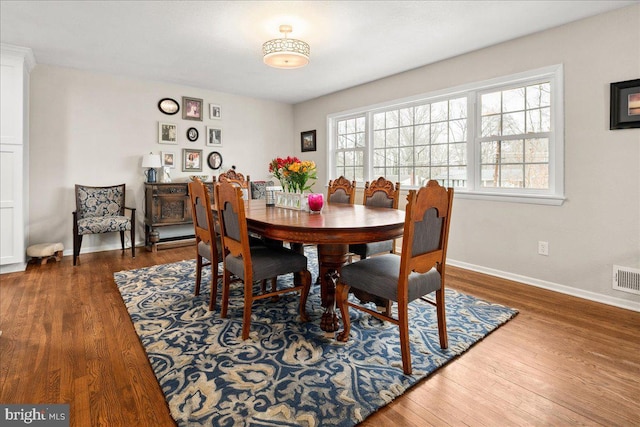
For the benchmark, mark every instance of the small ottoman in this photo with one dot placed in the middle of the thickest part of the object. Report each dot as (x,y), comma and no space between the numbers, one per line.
(44,251)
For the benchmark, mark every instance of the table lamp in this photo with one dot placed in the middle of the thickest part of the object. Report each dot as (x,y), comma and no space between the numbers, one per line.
(151,161)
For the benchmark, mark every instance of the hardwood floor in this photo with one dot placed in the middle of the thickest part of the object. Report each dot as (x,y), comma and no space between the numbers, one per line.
(67,338)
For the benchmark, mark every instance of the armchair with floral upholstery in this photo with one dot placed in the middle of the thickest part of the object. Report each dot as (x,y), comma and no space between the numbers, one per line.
(102,210)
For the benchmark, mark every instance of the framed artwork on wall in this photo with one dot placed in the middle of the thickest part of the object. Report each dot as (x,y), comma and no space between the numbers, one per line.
(625,105)
(191,108)
(214,136)
(191,160)
(308,140)
(168,106)
(192,134)
(215,112)
(167,133)
(168,159)
(214,160)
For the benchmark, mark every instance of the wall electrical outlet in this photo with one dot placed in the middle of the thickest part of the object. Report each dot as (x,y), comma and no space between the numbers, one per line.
(543,248)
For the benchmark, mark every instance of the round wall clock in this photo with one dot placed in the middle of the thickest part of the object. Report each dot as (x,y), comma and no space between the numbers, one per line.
(214,160)
(168,106)
(192,134)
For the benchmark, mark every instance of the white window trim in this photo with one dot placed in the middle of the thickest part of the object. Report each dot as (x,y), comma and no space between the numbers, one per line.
(553,196)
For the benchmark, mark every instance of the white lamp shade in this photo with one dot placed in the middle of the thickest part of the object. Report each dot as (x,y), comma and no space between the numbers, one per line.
(151,161)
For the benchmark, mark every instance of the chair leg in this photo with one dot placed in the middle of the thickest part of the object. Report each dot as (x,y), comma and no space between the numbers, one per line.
(133,240)
(403,324)
(198,275)
(442,319)
(248,301)
(77,243)
(122,239)
(342,293)
(214,286)
(225,294)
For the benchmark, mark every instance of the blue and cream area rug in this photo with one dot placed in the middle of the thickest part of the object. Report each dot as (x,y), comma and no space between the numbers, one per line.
(287,373)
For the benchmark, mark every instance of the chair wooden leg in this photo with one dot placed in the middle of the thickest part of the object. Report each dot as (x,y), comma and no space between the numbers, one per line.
(122,239)
(442,319)
(403,324)
(198,275)
(225,294)
(77,244)
(342,293)
(214,286)
(133,240)
(248,301)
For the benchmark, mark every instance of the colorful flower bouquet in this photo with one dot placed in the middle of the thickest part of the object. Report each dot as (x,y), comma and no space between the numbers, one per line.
(295,175)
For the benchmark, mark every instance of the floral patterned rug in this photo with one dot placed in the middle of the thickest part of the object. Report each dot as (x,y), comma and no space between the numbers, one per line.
(287,373)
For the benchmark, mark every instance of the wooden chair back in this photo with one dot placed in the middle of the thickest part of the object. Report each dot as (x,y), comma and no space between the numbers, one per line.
(341,190)
(237,179)
(381,193)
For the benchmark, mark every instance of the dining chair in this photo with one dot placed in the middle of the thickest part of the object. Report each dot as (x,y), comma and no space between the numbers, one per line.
(208,251)
(418,271)
(238,179)
(102,210)
(380,193)
(254,263)
(341,190)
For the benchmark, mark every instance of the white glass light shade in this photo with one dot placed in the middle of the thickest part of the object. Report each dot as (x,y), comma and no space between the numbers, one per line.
(151,161)
(285,52)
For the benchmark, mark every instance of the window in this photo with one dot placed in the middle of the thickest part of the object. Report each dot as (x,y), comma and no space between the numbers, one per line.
(495,139)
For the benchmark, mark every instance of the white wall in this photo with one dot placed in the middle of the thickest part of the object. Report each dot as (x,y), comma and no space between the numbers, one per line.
(599,224)
(93,129)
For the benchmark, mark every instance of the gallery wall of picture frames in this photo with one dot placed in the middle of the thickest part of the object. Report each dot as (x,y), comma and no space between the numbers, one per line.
(192,109)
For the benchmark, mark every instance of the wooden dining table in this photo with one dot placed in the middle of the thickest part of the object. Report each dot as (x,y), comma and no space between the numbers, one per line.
(332,230)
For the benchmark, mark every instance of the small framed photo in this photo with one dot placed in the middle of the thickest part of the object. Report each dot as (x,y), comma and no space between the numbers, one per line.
(191,108)
(167,133)
(168,159)
(192,134)
(214,136)
(215,111)
(625,104)
(308,140)
(191,160)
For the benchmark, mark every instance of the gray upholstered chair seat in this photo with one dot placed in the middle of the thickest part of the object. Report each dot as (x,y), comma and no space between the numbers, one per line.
(204,250)
(103,224)
(267,262)
(379,276)
(365,250)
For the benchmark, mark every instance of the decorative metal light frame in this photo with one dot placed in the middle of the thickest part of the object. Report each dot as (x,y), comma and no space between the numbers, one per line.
(285,52)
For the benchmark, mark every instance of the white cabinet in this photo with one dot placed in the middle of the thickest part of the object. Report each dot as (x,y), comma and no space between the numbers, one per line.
(15,65)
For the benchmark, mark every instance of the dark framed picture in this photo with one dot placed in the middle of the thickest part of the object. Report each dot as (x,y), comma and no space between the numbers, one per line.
(625,104)
(191,160)
(192,134)
(308,140)
(191,108)
(214,160)
(168,106)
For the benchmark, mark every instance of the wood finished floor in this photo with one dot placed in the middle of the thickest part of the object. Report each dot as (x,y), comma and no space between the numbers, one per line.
(67,338)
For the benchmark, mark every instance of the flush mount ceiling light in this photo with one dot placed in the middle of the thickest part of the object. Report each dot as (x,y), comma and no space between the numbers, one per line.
(284,52)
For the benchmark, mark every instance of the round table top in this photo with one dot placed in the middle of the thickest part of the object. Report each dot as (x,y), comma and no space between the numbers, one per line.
(337,224)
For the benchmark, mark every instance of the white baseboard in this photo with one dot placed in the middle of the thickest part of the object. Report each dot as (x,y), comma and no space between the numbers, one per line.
(567,290)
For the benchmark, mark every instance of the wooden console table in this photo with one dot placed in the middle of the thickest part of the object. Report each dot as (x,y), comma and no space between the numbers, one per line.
(167,204)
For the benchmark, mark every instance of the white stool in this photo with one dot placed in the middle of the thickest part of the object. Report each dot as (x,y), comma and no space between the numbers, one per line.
(46,250)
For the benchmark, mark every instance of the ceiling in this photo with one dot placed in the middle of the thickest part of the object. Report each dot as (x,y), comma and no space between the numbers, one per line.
(217,45)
